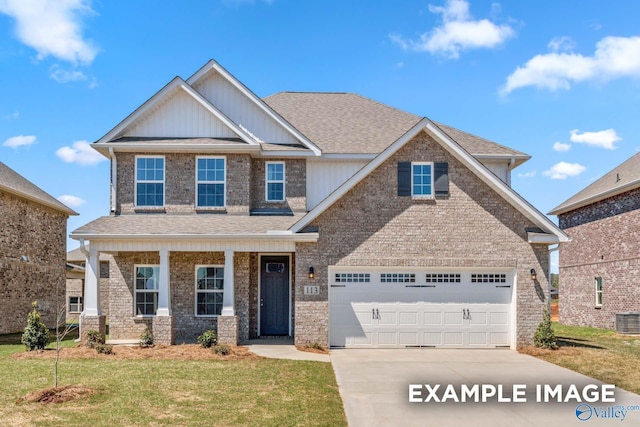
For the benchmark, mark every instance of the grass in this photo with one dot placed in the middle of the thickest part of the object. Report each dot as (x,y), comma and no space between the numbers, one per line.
(598,353)
(265,392)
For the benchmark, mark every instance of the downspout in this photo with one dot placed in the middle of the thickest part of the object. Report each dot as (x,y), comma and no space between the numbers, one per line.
(114,179)
(551,250)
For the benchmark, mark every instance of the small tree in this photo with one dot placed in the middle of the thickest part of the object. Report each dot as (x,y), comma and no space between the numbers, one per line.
(36,334)
(62,330)
(544,336)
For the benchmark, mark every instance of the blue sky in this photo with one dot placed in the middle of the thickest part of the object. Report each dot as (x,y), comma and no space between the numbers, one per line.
(559,80)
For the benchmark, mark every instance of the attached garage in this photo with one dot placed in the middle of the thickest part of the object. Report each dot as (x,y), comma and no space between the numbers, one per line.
(396,308)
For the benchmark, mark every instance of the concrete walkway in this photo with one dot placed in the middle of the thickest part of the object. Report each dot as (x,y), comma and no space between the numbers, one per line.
(374,385)
(282,349)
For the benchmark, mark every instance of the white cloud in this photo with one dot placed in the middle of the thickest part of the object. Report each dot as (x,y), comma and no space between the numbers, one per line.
(65,76)
(559,146)
(564,170)
(604,138)
(20,141)
(459,31)
(12,116)
(52,27)
(530,174)
(80,152)
(614,57)
(71,201)
(559,44)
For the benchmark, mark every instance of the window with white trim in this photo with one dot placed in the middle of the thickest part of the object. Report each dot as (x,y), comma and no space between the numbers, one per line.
(209,290)
(149,181)
(422,179)
(146,284)
(75,304)
(275,182)
(353,277)
(397,278)
(210,182)
(598,291)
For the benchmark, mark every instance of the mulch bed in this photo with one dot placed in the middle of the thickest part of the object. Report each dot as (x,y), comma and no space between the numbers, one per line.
(58,394)
(310,349)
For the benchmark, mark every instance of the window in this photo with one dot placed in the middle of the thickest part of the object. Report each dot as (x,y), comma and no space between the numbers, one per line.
(488,278)
(422,179)
(442,278)
(275,182)
(353,277)
(397,278)
(75,304)
(147,289)
(149,181)
(210,182)
(209,290)
(598,291)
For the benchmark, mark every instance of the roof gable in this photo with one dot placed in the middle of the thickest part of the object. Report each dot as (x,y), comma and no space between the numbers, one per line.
(460,154)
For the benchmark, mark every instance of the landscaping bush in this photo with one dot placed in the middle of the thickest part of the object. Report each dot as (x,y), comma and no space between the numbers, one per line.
(221,349)
(146,339)
(544,336)
(104,348)
(208,339)
(94,338)
(36,334)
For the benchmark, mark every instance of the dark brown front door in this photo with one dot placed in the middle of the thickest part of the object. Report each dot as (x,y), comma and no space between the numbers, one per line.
(274,295)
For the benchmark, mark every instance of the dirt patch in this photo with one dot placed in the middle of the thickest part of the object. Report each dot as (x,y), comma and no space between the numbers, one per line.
(58,394)
(555,312)
(310,349)
(538,352)
(158,352)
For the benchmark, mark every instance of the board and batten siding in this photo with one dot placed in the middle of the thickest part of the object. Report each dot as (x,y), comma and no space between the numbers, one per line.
(323,177)
(499,169)
(181,116)
(235,105)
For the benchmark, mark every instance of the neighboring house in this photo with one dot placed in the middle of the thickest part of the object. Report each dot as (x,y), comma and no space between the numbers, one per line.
(600,267)
(32,247)
(328,217)
(76,261)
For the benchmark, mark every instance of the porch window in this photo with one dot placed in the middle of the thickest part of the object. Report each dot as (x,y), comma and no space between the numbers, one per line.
(149,181)
(210,182)
(209,290)
(147,277)
(75,304)
(598,291)
(275,180)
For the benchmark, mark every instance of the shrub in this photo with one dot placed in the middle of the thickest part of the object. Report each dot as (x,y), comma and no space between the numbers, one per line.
(221,349)
(146,339)
(544,336)
(208,339)
(316,346)
(36,334)
(104,348)
(94,338)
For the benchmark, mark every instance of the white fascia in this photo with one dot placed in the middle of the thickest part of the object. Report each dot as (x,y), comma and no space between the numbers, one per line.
(285,235)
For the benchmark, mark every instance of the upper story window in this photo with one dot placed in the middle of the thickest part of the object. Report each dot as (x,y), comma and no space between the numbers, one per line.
(149,181)
(275,178)
(210,181)
(422,179)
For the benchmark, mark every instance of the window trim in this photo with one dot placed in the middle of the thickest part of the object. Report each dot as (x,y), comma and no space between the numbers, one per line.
(598,281)
(79,303)
(224,183)
(136,290)
(196,290)
(267,181)
(423,196)
(136,181)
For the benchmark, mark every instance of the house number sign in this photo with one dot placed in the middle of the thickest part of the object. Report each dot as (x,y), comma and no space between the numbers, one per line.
(312,290)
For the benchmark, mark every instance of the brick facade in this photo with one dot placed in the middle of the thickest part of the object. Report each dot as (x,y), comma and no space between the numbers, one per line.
(295,185)
(39,233)
(74,289)
(372,226)
(605,243)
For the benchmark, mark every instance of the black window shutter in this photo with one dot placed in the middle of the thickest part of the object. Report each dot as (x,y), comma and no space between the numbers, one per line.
(404,178)
(441,179)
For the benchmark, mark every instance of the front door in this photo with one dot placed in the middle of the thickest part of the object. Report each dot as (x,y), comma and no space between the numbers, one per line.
(274,295)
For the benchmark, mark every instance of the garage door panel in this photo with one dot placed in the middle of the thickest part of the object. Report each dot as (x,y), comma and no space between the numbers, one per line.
(432,339)
(478,318)
(432,318)
(478,339)
(408,338)
(454,339)
(408,318)
(453,318)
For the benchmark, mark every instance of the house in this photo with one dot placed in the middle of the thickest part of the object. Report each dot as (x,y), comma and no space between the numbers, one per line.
(327,217)
(32,247)
(76,262)
(600,267)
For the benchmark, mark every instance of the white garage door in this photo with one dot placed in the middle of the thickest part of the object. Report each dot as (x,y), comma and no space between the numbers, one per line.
(374,308)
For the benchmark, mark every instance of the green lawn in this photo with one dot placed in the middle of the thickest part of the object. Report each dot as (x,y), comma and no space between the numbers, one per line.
(172,392)
(597,353)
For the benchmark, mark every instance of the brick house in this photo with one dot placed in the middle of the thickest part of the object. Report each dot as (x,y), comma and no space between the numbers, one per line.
(76,262)
(326,217)
(32,249)
(600,267)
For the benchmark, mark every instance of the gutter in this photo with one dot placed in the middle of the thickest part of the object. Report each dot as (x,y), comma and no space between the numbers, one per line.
(269,235)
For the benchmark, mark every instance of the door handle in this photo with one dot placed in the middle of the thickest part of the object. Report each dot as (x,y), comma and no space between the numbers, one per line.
(466,314)
(373,313)
(377,314)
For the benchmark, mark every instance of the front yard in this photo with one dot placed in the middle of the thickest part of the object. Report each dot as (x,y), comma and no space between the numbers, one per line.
(175,392)
(598,353)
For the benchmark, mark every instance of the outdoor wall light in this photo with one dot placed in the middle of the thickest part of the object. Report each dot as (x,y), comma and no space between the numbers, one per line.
(312,273)
(534,276)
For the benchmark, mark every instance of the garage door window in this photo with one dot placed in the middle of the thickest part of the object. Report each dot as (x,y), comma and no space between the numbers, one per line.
(353,278)
(398,278)
(442,278)
(488,278)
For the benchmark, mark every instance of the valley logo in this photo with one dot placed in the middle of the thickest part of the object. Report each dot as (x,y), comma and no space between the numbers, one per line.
(586,412)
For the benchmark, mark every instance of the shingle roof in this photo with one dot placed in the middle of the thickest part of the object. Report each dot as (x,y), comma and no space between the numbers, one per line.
(624,177)
(350,123)
(202,224)
(13,182)
(76,255)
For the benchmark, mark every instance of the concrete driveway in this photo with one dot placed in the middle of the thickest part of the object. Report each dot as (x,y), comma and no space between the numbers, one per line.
(374,385)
